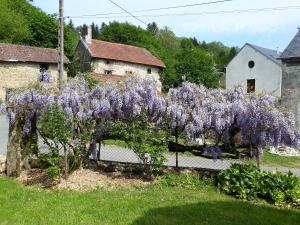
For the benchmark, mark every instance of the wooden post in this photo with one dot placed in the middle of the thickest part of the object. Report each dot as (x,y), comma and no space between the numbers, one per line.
(61,44)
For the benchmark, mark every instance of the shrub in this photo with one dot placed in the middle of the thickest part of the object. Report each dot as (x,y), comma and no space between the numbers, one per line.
(184,180)
(240,181)
(247,182)
(53,172)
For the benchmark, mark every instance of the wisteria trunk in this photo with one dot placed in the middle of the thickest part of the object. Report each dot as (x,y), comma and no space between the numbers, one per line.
(14,148)
(66,162)
(258,156)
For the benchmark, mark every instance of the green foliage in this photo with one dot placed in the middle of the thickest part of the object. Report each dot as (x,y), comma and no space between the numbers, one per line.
(53,172)
(54,125)
(196,65)
(51,162)
(92,83)
(240,181)
(147,142)
(23,23)
(247,182)
(196,62)
(183,180)
(54,128)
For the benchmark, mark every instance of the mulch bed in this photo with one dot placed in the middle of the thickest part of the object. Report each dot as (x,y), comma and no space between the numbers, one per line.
(83,180)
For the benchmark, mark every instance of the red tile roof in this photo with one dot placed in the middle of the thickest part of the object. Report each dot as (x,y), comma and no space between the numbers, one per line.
(121,52)
(22,53)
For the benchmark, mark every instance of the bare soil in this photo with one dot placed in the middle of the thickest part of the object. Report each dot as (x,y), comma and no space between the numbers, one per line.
(83,180)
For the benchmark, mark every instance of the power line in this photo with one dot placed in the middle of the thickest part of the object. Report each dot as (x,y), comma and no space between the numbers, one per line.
(156,9)
(128,12)
(239,11)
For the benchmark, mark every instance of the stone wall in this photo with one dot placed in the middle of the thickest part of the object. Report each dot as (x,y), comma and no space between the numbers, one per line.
(16,75)
(291,87)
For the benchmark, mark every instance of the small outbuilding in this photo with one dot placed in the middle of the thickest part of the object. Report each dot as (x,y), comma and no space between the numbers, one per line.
(20,65)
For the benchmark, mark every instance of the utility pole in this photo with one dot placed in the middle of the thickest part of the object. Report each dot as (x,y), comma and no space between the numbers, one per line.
(61,44)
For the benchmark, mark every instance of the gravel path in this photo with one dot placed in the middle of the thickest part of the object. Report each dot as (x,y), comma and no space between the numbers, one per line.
(119,154)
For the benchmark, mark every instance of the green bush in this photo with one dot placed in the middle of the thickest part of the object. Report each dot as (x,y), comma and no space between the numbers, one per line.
(248,182)
(184,180)
(53,172)
(240,181)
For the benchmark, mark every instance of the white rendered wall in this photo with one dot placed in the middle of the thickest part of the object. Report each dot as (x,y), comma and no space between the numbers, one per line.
(267,74)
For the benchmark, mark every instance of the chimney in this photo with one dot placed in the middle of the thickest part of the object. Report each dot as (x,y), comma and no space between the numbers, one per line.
(88,37)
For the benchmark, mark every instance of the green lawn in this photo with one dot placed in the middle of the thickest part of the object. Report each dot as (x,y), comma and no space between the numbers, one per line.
(162,206)
(282,161)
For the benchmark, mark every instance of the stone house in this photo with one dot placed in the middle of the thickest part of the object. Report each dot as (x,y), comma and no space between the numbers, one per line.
(256,69)
(291,76)
(113,61)
(20,65)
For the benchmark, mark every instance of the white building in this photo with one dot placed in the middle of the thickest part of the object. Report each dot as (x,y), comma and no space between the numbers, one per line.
(256,69)
(113,61)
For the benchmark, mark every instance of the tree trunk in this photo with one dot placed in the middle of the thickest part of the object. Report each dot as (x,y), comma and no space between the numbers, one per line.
(66,162)
(14,148)
(258,157)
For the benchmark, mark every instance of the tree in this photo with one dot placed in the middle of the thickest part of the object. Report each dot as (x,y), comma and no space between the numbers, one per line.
(23,23)
(153,28)
(196,65)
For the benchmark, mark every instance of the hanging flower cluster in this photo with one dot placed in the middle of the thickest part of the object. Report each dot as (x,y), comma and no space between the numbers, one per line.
(190,109)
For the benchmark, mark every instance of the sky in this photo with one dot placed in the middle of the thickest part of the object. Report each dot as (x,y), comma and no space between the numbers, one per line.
(270,29)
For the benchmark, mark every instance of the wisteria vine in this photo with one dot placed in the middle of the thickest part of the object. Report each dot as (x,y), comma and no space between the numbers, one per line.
(191,109)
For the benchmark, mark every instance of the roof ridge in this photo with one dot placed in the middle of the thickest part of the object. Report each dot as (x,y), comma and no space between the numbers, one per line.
(274,57)
(293,48)
(28,46)
(116,43)
(261,47)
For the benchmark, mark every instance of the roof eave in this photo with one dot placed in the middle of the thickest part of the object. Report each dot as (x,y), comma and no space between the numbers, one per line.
(155,65)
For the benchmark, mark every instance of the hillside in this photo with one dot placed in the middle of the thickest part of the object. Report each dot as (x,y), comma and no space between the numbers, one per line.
(185,58)
(22,23)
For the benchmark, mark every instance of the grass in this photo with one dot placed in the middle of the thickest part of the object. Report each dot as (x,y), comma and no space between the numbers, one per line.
(116,142)
(151,206)
(283,161)
(279,161)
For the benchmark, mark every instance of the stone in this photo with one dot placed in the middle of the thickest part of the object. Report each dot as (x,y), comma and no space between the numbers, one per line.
(2,164)
(285,151)
(111,169)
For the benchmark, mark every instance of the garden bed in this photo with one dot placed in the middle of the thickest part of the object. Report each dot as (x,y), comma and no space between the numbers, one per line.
(83,180)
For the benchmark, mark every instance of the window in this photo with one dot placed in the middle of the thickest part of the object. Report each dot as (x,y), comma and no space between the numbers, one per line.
(251,64)
(108,72)
(107,62)
(44,67)
(250,85)
(128,72)
(149,70)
